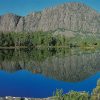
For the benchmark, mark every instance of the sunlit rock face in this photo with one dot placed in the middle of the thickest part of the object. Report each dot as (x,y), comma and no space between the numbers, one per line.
(9,22)
(74,17)
(69,68)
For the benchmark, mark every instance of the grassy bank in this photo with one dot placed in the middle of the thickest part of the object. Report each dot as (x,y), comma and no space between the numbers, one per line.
(73,95)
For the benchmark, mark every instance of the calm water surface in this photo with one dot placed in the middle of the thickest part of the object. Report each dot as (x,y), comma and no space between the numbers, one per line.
(39,72)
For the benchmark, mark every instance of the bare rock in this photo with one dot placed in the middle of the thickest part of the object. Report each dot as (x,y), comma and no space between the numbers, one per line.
(75,17)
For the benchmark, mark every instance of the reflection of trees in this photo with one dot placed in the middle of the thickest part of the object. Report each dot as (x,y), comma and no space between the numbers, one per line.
(58,63)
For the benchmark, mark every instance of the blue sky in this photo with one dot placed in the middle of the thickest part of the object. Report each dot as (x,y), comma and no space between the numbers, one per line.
(24,7)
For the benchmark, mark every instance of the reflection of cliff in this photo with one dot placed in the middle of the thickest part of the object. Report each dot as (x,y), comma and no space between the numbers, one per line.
(12,66)
(72,68)
(69,68)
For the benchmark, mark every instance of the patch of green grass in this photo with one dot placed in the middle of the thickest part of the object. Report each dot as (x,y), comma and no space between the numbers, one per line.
(74,95)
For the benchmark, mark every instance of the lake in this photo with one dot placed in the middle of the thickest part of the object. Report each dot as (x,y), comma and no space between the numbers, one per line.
(39,72)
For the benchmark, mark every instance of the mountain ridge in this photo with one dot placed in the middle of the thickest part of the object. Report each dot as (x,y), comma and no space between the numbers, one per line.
(72,16)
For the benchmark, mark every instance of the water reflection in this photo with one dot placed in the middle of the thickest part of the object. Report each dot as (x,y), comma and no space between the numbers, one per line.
(71,65)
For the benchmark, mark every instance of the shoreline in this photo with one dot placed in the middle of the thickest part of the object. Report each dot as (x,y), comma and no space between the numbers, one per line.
(23,98)
(25,47)
(72,95)
(32,47)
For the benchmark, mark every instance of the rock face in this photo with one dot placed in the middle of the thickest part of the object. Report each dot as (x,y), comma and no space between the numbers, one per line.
(75,17)
(8,22)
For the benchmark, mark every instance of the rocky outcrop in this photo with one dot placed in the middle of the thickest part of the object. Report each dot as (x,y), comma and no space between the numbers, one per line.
(74,17)
(9,22)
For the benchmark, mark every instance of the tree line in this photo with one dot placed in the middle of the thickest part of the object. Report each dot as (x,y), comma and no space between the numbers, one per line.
(41,38)
(31,39)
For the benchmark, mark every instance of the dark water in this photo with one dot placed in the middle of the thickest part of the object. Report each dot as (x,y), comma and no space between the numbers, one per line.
(39,72)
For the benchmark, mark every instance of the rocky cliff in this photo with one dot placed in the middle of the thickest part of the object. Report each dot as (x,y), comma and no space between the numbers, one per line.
(68,17)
